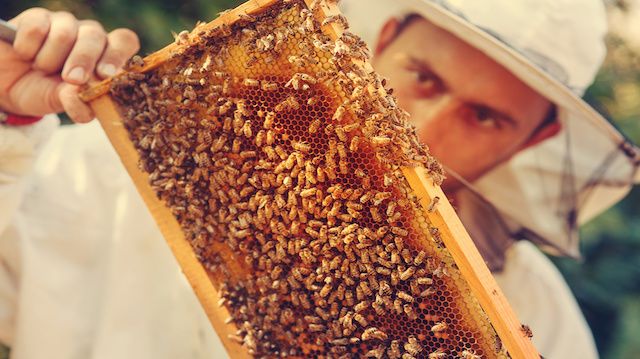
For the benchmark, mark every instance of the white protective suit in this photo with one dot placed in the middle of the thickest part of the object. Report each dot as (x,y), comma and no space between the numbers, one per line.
(85,272)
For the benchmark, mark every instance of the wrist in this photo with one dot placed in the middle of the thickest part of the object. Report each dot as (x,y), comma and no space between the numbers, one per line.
(17,120)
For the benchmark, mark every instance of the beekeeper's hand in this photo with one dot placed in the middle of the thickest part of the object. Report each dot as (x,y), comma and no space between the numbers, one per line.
(52,55)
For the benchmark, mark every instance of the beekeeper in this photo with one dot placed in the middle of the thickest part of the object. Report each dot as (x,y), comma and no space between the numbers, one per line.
(493,88)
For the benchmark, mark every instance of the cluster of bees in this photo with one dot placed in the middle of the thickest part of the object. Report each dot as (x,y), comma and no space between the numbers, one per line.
(272,139)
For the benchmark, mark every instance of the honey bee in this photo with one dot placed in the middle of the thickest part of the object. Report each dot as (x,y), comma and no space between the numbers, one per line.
(353,146)
(236,338)
(297,61)
(526,330)
(219,74)
(439,327)
(419,259)
(136,60)
(260,138)
(268,120)
(225,107)
(397,306)
(469,354)
(246,17)
(246,129)
(340,341)
(270,138)
(302,146)
(360,319)
(181,38)
(308,22)
(441,271)
(226,85)
(326,289)
(340,133)
(251,83)
(317,328)
(365,289)
(412,346)
(433,204)
(399,231)
(307,256)
(377,352)
(373,333)
(308,192)
(407,273)
(380,140)
(424,281)
(265,43)
(314,126)
(337,19)
(378,306)
(290,103)
(249,34)
(405,296)
(269,86)
(218,144)
(438,354)
(312,101)
(339,114)
(395,278)
(301,81)
(375,214)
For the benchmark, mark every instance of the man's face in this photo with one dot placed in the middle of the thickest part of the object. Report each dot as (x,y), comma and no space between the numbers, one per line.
(471,112)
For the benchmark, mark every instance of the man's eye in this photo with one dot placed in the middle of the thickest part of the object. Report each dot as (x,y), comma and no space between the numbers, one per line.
(486,118)
(482,116)
(427,83)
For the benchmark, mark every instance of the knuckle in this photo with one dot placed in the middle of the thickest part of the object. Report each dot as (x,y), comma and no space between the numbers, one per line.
(115,55)
(94,34)
(93,25)
(126,39)
(66,15)
(35,30)
(64,36)
(23,51)
(36,11)
(46,66)
(84,57)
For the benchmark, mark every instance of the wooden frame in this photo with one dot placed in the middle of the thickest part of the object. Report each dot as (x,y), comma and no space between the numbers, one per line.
(453,234)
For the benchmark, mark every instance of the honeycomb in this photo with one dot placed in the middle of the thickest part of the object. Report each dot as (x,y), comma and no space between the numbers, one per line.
(280,156)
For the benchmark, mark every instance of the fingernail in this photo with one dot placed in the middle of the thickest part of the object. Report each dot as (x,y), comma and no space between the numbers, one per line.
(108,70)
(76,74)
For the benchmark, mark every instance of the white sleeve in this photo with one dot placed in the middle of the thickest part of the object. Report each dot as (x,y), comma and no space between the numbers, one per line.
(18,149)
(542,300)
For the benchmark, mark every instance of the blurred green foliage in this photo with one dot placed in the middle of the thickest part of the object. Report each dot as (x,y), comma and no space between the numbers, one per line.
(607,281)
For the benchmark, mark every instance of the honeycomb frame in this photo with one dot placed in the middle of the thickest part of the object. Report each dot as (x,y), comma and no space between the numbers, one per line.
(463,255)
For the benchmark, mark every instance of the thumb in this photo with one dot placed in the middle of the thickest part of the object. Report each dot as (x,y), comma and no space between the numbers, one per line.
(35,94)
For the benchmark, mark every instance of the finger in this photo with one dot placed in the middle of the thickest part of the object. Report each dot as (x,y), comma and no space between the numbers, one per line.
(121,45)
(58,44)
(32,29)
(88,48)
(77,110)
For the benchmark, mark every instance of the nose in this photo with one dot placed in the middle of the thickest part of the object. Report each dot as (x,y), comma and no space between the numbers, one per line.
(432,116)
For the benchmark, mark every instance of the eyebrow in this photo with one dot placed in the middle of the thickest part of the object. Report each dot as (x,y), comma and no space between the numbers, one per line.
(423,65)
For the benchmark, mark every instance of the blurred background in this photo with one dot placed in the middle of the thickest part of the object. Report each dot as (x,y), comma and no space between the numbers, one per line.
(607,281)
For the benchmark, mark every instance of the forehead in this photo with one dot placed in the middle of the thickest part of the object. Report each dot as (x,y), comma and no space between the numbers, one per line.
(467,71)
